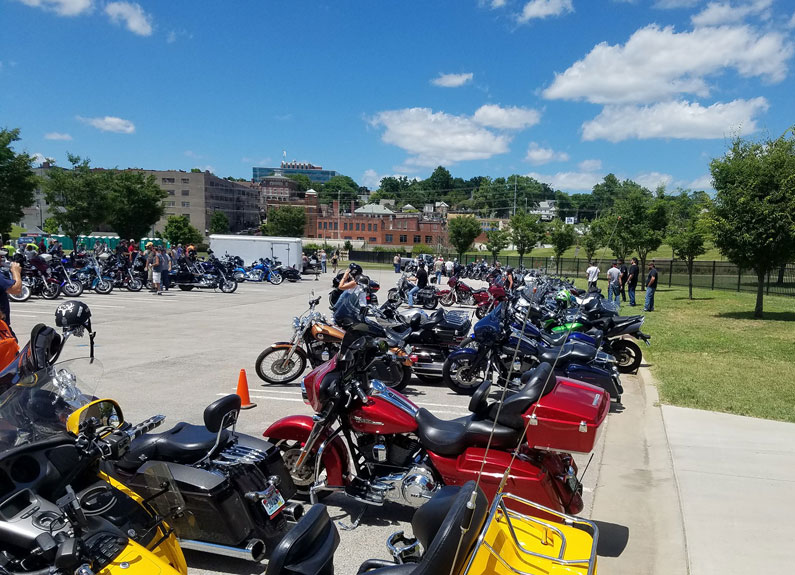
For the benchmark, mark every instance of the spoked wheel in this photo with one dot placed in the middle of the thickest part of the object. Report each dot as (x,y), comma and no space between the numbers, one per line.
(305,477)
(103,286)
(276,278)
(447,299)
(628,355)
(228,286)
(481,312)
(24,295)
(431,302)
(273,366)
(51,290)
(135,284)
(393,295)
(73,289)
(460,376)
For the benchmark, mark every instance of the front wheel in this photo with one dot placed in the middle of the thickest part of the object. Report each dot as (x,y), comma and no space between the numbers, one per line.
(73,289)
(135,284)
(461,376)
(51,290)
(304,478)
(273,365)
(481,311)
(393,295)
(24,295)
(228,286)
(431,302)
(103,286)
(447,299)
(275,278)
(628,355)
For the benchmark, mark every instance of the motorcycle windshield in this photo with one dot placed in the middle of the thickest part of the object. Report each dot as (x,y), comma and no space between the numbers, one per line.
(38,405)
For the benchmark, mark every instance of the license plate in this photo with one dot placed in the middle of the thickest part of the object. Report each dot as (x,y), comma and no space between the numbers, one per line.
(273,503)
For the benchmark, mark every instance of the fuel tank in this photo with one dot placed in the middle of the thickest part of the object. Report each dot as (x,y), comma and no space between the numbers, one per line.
(385,413)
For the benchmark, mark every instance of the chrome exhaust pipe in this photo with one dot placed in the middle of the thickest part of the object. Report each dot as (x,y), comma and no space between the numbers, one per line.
(254,550)
(293,511)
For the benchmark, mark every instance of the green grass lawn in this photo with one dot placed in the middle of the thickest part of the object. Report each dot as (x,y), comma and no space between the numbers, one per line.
(710,353)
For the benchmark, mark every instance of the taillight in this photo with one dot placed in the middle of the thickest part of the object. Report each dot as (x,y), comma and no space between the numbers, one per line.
(414,358)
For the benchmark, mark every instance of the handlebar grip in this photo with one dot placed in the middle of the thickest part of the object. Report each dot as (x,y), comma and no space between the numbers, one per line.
(362,395)
(146,426)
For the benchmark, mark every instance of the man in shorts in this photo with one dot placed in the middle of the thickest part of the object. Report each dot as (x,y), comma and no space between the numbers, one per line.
(155,260)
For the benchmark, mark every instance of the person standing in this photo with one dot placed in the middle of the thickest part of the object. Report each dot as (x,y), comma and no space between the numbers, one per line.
(614,284)
(448,266)
(155,260)
(651,287)
(323,261)
(334,259)
(396,263)
(165,268)
(632,280)
(10,283)
(622,267)
(437,268)
(593,276)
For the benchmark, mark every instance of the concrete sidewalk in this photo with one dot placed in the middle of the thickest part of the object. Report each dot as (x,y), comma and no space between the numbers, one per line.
(736,479)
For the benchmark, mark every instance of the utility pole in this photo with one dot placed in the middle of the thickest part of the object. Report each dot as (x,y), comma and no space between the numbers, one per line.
(514,194)
(339,207)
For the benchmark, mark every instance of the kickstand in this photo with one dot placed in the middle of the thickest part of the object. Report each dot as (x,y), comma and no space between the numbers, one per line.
(355,524)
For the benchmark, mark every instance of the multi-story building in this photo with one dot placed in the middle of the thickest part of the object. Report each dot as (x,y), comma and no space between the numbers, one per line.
(315,173)
(279,188)
(37,213)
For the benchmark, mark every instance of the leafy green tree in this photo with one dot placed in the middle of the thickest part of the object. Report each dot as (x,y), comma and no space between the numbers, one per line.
(642,222)
(497,241)
(462,231)
(752,217)
(609,232)
(304,183)
(347,246)
(135,203)
(687,229)
(285,221)
(339,187)
(526,232)
(78,197)
(421,249)
(17,181)
(562,237)
(590,243)
(51,226)
(195,171)
(219,223)
(179,230)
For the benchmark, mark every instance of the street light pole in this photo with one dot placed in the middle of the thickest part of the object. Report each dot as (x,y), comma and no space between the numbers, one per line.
(41,216)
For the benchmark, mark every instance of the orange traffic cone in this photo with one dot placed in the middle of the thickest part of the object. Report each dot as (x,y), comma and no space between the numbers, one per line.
(242,391)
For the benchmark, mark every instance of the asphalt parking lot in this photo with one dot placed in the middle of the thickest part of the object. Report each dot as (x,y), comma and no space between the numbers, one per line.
(176,353)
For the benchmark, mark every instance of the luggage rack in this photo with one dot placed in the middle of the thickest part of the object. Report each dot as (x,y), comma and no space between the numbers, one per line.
(501,514)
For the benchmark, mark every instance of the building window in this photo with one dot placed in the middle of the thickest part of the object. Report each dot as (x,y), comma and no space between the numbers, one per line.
(336,227)
(319,225)
(373,240)
(417,239)
(185,204)
(360,238)
(375,227)
(348,237)
(388,238)
(185,192)
(186,180)
(369,227)
(325,225)
(170,192)
(402,239)
(357,227)
(345,226)
(169,204)
(429,240)
(167,180)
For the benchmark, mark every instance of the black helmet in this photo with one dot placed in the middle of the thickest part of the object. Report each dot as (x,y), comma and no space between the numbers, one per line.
(356,269)
(347,312)
(73,314)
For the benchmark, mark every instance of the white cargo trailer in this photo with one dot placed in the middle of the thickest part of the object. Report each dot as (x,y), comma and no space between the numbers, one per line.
(251,248)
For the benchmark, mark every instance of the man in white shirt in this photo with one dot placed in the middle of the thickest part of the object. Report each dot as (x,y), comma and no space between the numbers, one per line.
(593,275)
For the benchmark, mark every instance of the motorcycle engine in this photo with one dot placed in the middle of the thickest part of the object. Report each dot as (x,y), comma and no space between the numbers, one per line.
(416,487)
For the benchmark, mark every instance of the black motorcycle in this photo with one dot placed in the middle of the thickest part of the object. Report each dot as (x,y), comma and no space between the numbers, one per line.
(37,278)
(426,297)
(208,274)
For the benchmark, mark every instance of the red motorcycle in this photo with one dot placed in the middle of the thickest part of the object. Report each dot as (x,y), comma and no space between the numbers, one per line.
(494,296)
(461,293)
(375,445)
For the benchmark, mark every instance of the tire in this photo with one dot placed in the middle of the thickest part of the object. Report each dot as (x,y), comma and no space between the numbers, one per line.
(228,286)
(628,355)
(431,302)
(286,374)
(458,376)
(275,278)
(24,295)
(447,299)
(392,295)
(103,286)
(405,378)
(185,288)
(135,285)
(303,480)
(73,289)
(51,290)
(480,312)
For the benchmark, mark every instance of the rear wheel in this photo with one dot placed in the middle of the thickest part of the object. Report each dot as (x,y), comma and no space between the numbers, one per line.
(460,376)
(431,302)
(405,378)
(481,311)
(628,355)
(24,295)
(304,478)
(273,366)
(447,299)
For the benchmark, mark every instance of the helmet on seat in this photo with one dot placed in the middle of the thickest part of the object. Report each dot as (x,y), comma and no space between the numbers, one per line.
(562,298)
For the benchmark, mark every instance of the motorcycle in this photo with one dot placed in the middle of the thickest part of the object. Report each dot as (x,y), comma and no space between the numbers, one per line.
(461,293)
(369,285)
(315,341)
(496,295)
(90,273)
(426,297)
(289,273)
(122,274)
(37,279)
(58,513)
(373,444)
(70,286)
(208,274)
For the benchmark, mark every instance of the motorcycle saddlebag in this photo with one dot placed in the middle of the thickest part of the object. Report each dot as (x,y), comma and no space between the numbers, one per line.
(569,418)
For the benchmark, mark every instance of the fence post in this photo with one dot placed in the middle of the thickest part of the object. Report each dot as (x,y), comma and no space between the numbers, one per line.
(670,272)
(768,283)
(739,275)
(713,275)
(578,267)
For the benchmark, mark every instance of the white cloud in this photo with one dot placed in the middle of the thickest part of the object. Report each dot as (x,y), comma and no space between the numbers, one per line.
(590,165)
(791,23)
(62,7)
(701,183)
(658,63)
(544,9)
(132,15)
(569,181)
(497,3)
(511,118)
(652,180)
(452,80)
(434,138)
(372,179)
(538,156)
(38,158)
(57,136)
(673,4)
(674,120)
(717,13)
(110,124)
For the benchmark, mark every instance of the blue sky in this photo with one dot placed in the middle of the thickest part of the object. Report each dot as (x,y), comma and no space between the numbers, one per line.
(563,90)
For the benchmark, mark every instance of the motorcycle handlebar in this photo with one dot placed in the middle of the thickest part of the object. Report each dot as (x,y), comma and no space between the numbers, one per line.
(145,426)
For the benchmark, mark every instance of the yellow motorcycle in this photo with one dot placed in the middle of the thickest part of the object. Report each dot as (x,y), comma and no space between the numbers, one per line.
(58,513)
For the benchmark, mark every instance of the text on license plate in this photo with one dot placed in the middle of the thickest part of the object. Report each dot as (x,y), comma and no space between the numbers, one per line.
(273,503)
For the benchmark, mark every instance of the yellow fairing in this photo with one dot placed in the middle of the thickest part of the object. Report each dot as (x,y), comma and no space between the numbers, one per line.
(540,547)
(167,556)
(135,560)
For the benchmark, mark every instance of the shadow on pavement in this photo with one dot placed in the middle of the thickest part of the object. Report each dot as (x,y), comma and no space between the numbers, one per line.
(613,539)
(616,407)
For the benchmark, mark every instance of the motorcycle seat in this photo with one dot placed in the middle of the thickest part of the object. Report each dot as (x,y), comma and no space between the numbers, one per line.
(184,443)
(452,437)
(571,352)
(395,336)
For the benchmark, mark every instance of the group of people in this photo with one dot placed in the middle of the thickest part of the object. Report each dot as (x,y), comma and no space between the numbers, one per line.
(622,281)
(321,257)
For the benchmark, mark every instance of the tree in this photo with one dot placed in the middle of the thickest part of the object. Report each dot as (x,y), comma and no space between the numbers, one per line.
(304,183)
(421,249)
(17,181)
(590,243)
(609,232)
(752,217)
(642,220)
(340,188)
(219,223)
(562,237)
(178,230)
(286,221)
(78,197)
(135,203)
(51,226)
(462,231)
(497,241)
(526,232)
(687,231)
